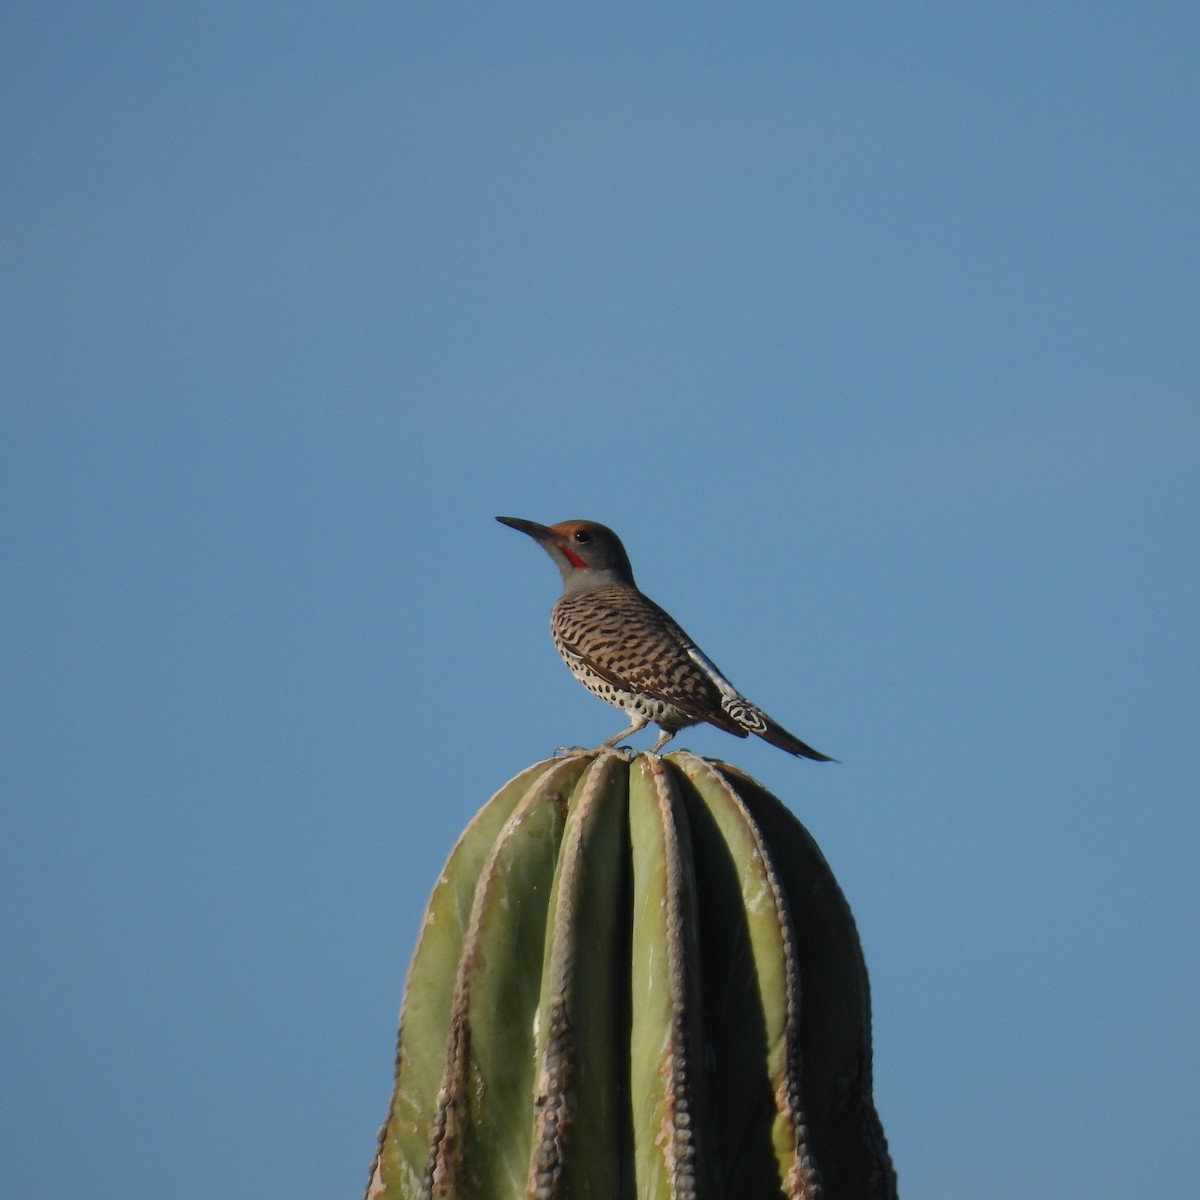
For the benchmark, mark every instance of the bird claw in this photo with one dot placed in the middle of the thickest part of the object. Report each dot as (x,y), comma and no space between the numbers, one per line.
(626,753)
(574,751)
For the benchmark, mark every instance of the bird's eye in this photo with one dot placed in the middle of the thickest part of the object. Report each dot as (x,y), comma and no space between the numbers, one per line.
(582,535)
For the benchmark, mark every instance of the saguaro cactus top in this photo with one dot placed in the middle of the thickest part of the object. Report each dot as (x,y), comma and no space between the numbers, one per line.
(634,979)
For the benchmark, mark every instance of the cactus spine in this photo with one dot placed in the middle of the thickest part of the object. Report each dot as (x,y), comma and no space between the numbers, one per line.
(634,979)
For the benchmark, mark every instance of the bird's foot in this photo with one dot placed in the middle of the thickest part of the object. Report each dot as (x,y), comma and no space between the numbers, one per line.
(626,753)
(576,751)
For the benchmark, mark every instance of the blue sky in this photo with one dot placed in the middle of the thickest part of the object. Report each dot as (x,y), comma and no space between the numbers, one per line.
(873,330)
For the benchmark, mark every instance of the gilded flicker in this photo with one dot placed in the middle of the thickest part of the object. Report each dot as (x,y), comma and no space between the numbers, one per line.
(625,649)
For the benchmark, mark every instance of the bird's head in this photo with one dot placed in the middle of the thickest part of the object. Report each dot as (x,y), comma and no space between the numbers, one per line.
(588,555)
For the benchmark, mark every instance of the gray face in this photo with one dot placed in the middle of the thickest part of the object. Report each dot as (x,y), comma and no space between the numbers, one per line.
(587,554)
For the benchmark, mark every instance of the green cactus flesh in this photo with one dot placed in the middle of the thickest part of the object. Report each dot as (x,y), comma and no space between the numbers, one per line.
(634,979)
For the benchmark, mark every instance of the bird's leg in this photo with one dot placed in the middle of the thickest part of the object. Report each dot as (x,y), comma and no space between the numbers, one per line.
(639,722)
(663,739)
(609,744)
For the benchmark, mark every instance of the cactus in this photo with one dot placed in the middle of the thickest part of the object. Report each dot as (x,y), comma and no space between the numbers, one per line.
(635,978)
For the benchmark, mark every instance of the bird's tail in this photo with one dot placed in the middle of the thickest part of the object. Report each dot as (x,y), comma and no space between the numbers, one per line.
(752,718)
(778,736)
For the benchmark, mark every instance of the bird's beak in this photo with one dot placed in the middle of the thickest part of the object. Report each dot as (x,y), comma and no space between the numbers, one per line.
(540,533)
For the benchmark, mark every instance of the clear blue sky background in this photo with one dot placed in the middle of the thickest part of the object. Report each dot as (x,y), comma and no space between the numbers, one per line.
(872,328)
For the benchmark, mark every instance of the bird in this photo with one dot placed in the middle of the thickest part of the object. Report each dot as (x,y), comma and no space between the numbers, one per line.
(631,653)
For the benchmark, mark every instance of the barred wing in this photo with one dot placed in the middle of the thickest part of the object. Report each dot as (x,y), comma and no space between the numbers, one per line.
(628,640)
